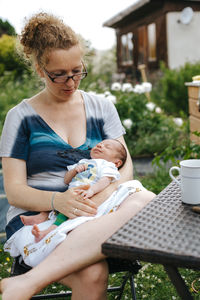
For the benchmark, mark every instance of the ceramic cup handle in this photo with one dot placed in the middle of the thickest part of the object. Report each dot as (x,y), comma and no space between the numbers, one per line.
(172,176)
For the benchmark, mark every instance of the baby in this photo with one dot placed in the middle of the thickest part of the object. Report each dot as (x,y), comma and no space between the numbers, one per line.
(99,171)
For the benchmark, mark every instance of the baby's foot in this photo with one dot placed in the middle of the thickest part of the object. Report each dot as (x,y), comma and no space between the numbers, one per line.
(35,219)
(39,235)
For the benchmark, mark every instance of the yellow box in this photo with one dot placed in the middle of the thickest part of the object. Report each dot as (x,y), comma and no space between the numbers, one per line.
(194,107)
(194,92)
(194,126)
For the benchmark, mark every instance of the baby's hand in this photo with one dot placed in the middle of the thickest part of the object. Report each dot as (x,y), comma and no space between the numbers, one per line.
(81,168)
(86,193)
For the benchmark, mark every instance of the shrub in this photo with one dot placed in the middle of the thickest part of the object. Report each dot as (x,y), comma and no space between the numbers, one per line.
(10,60)
(6,28)
(13,91)
(171,93)
(149,132)
(174,153)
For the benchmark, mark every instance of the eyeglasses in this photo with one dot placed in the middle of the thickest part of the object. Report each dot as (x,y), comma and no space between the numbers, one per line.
(65,78)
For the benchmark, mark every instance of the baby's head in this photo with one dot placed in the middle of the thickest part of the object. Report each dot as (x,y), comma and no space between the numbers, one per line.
(110,150)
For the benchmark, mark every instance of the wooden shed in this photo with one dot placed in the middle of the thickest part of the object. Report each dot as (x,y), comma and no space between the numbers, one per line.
(151,31)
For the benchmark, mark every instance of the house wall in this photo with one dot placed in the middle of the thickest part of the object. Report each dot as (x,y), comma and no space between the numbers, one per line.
(182,40)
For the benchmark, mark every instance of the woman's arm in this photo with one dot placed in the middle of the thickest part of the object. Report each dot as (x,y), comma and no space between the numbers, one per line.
(19,194)
(126,173)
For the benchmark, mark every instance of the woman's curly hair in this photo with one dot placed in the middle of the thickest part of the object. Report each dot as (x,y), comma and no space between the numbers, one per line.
(44,32)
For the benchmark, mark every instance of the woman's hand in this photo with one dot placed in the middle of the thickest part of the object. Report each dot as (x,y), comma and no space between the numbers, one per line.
(72,204)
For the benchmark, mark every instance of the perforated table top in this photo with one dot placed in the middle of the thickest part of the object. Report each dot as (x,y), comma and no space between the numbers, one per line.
(165,231)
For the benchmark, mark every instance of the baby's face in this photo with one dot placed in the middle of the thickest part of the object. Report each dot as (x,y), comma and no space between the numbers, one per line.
(107,149)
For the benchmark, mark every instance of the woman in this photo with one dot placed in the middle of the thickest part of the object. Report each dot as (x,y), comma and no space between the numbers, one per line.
(41,136)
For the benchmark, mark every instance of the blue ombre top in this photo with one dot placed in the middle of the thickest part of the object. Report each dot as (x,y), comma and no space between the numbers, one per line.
(27,136)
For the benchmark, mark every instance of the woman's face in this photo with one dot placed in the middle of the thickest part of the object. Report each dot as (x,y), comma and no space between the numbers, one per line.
(61,63)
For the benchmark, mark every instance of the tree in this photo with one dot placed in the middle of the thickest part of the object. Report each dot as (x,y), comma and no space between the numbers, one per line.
(6,28)
(10,60)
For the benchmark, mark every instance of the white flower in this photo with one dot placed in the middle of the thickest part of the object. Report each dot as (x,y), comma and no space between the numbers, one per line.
(147,87)
(158,110)
(152,286)
(139,89)
(150,106)
(144,296)
(127,87)
(112,98)
(178,121)
(127,123)
(107,93)
(116,86)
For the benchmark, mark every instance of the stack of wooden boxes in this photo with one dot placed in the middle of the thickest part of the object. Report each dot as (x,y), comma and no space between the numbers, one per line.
(194,109)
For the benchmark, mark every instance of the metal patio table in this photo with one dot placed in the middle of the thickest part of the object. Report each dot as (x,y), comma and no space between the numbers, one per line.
(166,232)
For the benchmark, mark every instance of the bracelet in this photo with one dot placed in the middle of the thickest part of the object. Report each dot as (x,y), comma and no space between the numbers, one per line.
(52,200)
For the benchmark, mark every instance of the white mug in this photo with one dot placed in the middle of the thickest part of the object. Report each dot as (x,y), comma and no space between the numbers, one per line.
(190,180)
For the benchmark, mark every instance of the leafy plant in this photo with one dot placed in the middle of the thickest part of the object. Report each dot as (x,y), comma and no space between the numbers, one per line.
(150,131)
(170,93)
(156,181)
(13,91)
(10,60)
(6,28)
(174,153)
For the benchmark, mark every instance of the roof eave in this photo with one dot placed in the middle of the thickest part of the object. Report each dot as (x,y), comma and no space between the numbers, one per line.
(117,18)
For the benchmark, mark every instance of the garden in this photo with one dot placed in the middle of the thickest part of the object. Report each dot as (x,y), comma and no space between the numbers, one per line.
(155,117)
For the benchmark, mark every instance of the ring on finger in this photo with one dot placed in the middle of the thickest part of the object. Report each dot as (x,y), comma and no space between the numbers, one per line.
(75,211)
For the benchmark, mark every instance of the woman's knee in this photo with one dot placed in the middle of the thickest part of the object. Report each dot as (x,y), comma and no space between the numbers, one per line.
(96,274)
(147,196)
(137,201)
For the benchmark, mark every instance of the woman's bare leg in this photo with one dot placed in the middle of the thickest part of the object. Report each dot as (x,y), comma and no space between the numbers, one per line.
(82,248)
(89,283)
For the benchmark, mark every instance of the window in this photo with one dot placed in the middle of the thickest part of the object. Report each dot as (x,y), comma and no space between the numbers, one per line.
(151,30)
(127,48)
